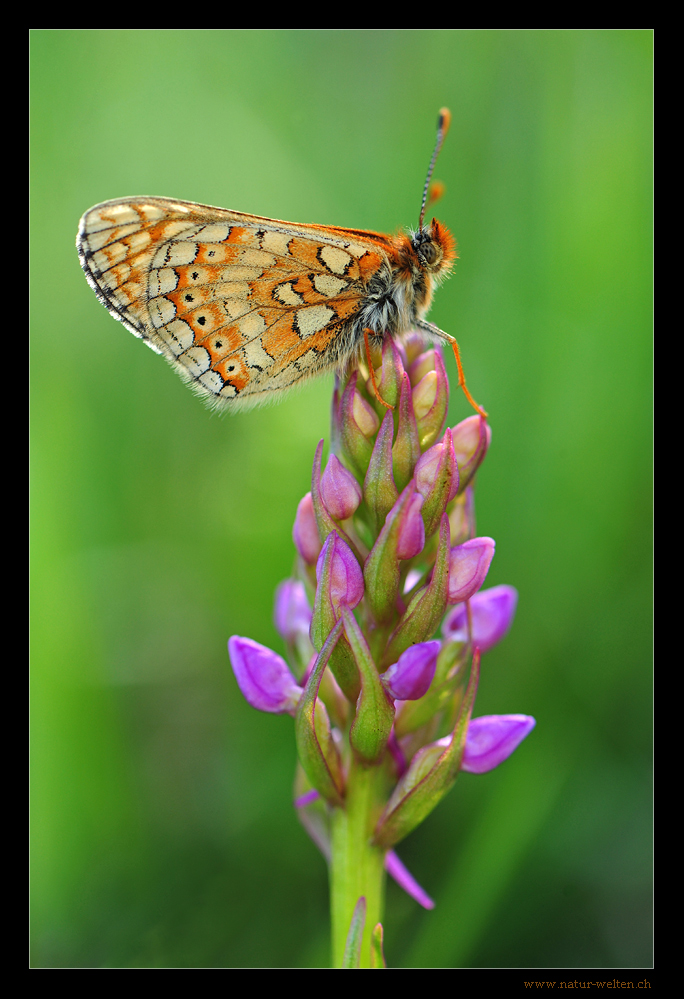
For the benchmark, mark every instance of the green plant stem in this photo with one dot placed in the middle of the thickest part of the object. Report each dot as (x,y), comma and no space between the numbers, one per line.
(357,868)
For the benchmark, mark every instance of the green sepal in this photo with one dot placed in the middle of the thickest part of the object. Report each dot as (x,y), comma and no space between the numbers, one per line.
(436,500)
(352,950)
(379,490)
(381,571)
(377,957)
(389,385)
(374,709)
(315,817)
(431,774)
(316,749)
(323,620)
(426,609)
(406,450)
(356,447)
(461,512)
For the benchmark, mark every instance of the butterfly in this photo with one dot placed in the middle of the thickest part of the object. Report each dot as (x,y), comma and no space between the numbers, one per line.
(245,307)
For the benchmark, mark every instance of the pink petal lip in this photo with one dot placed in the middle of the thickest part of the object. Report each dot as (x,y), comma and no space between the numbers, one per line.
(468,567)
(405,880)
(263,676)
(492,612)
(492,738)
(410,677)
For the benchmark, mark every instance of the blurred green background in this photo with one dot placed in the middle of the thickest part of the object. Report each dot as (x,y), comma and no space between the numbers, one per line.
(163,831)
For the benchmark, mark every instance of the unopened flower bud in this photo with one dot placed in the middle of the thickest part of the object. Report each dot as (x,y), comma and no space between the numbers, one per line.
(365,416)
(471,441)
(492,614)
(379,490)
(340,583)
(468,566)
(423,395)
(390,374)
(263,676)
(406,449)
(402,537)
(462,517)
(338,572)
(358,422)
(305,531)
(340,491)
(436,478)
(411,533)
(426,607)
(292,615)
(423,363)
(413,346)
(410,677)
(431,401)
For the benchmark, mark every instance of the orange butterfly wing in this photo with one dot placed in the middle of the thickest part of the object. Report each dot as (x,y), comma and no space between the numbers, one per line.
(242,306)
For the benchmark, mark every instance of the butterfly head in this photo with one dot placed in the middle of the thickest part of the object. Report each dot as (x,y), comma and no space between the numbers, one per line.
(435,248)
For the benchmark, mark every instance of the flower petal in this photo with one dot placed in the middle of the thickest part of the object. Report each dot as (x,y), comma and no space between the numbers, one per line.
(405,880)
(410,677)
(263,676)
(492,738)
(492,612)
(468,567)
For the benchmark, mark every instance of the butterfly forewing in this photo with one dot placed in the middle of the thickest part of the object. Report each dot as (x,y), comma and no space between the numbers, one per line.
(240,305)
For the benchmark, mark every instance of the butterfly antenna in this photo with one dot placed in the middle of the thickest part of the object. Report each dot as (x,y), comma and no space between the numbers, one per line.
(443,123)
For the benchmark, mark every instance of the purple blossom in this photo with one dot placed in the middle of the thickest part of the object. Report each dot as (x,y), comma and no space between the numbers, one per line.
(410,677)
(492,615)
(492,738)
(263,676)
(468,566)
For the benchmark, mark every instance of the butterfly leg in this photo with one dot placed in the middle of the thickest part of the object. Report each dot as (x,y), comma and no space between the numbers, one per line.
(387,405)
(436,331)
